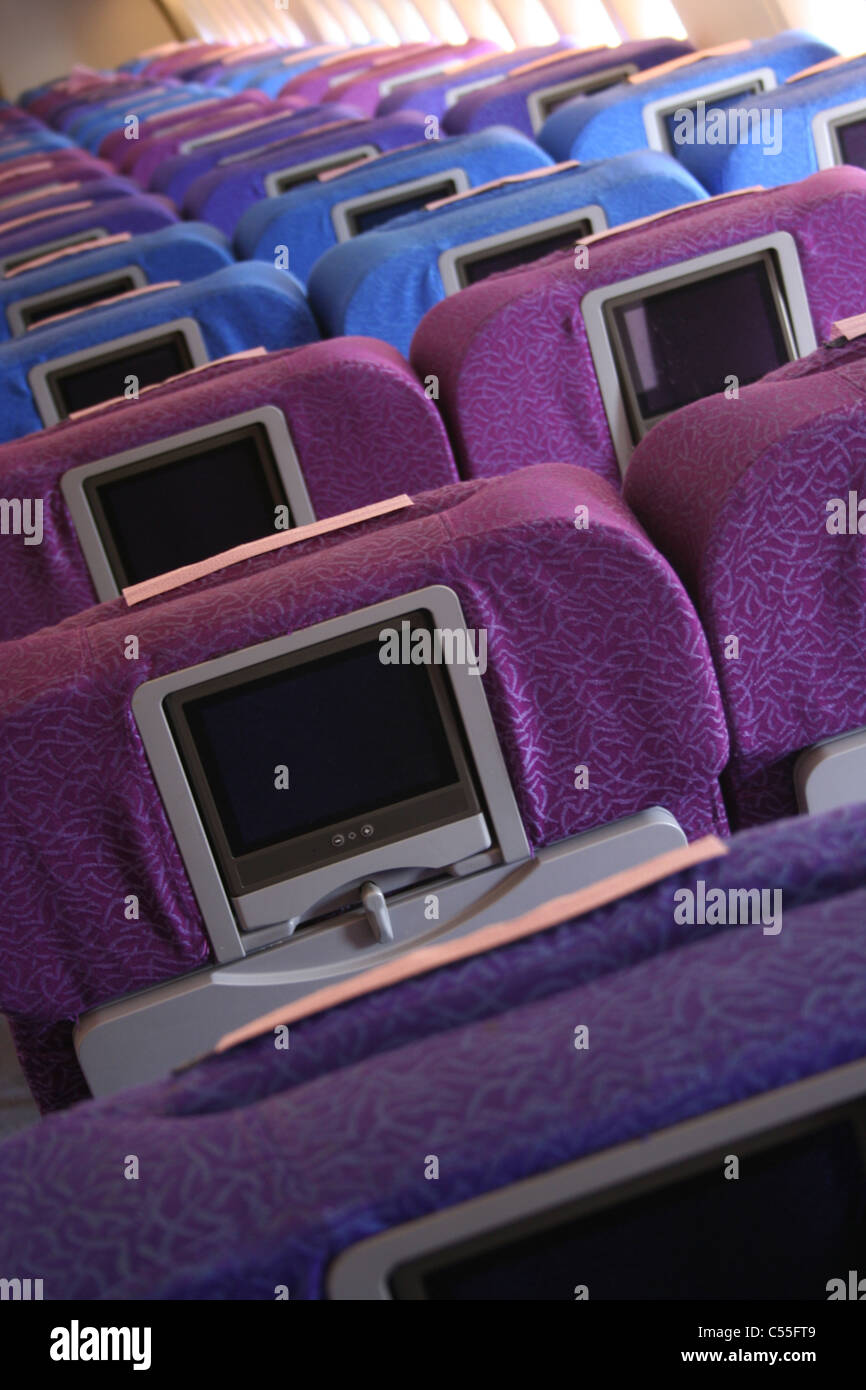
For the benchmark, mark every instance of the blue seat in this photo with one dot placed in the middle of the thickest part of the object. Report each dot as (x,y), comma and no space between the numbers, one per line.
(310,218)
(182,251)
(357,287)
(823,116)
(176,175)
(222,195)
(639,112)
(157,334)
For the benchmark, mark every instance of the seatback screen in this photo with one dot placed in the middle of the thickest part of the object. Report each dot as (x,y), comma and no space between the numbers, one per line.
(794,1219)
(68,302)
(178,508)
(76,388)
(475,268)
(852,142)
(306,173)
(354,734)
(676,345)
(366,220)
(548,102)
(720,103)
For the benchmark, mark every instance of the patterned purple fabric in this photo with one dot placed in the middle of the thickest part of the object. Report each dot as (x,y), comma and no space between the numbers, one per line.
(581,628)
(516,376)
(364,90)
(66,171)
(175,176)
(207,114)
(507,102)
(98,189)
(143,162)
(735,494)
(314,84)
(383,438)
(474,1064)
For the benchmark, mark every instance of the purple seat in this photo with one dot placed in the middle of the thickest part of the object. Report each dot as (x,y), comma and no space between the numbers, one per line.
(49,196)
(366,89)
(542,590)
(223,195)
(436,93)
(737,494)
(474,1064)
(506,407)
(387,438)
(314,84)
(209,113)
(176,175)
(52,167)
(529,94)
(86,221)
(144,159)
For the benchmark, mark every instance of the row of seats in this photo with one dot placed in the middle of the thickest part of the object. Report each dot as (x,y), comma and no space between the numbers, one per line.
(219,775)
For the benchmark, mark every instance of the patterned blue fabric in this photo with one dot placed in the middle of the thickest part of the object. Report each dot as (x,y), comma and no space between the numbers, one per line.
(740,166)
(353,287)
(241,306)
(259,1166)
(612,121)
(183,251)
(303,218)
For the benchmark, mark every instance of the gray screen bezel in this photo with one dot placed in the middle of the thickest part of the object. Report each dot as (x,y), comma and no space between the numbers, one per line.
(825,128)
(308,168)
(39,377)
(595,304)
(598,1181)
(341,213)
(570,87)
(15,312)
(463,89)
(281,906)
(72,483)
(654,113)
(452,259)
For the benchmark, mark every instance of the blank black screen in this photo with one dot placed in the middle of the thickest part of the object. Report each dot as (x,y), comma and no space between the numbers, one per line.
(794,1218)
(852,143)
(547,105)
(293,179)
(78,388)
(712,104)
(355,735)
(82,299)
(361,221)
(523,254)
(681,343)
(186,508)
